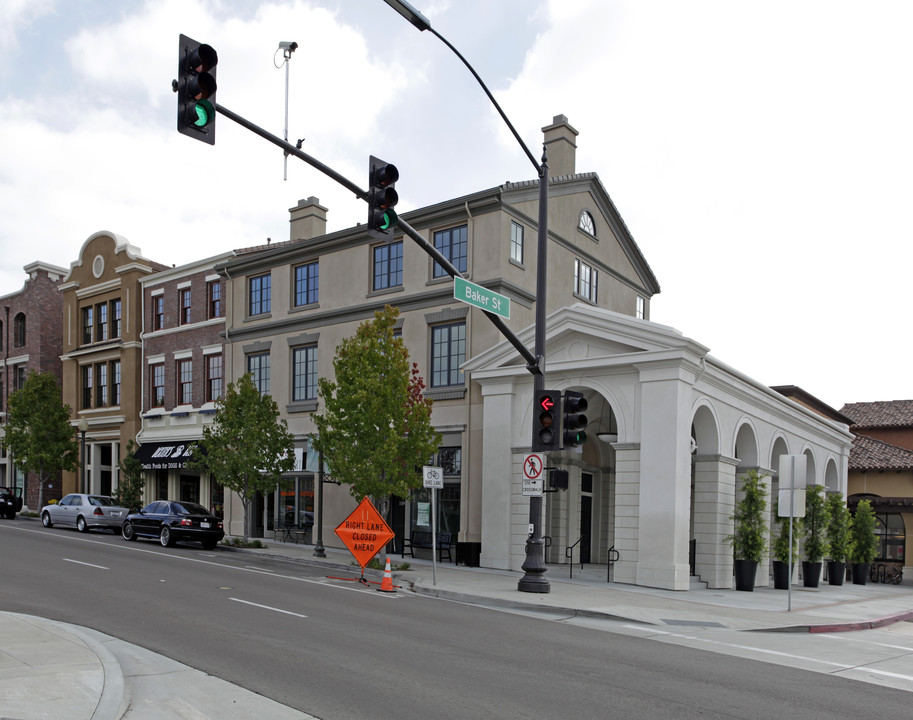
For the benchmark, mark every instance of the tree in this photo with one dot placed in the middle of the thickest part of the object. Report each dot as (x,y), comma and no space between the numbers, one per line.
(129,492)
(375,430)
(814,524)
(38,431)
(247,447)
(748,539)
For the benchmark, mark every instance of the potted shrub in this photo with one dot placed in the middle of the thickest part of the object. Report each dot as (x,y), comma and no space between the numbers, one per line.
(780,550)
(862,541)
(838,538)
(814,525)
(749,539)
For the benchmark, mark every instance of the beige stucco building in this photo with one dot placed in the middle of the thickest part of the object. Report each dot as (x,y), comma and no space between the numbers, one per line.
(102,352)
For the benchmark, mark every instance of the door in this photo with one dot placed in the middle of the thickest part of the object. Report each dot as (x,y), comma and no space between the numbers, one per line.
(586,527)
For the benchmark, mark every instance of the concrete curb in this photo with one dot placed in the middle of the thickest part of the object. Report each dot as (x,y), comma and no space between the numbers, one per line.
(113,702)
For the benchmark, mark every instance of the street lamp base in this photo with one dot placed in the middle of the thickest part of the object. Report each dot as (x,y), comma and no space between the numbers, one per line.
(319,551)
(534,580)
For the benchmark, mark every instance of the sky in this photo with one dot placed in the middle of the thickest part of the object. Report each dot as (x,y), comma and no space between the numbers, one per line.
(760,153)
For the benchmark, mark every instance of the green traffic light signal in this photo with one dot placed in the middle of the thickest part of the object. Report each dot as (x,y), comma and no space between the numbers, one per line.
(575,421)
(382,197)
(196,89)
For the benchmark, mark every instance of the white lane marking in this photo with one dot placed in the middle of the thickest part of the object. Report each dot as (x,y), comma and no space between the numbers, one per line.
(224,566)
(739,646)
(267,607)
(100,567)
(867,642)
(866,669)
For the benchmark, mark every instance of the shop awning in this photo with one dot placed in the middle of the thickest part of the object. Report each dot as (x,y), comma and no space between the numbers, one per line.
(164,455)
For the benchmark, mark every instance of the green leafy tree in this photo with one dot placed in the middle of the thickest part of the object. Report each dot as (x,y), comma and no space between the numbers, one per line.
(862,534)
(814,524)
(375,430)
(780,547)
(129,492)
(838,527)
(749,539)
(247,447)
(38,431)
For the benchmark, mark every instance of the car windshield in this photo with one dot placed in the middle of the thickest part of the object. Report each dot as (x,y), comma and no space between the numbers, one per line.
(189,508)
(101,501)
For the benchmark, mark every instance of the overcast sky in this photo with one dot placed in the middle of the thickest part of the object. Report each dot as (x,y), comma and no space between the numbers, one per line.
(759,152)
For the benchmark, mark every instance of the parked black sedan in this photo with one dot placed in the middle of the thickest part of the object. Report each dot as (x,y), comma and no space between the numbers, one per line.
(172,521)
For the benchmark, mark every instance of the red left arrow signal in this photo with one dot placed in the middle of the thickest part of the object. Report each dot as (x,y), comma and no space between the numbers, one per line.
(546,402)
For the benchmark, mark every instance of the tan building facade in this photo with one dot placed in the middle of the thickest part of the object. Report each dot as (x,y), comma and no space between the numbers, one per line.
(103,354)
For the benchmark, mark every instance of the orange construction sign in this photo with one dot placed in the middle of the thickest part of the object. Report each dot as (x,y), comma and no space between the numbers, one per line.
(364,532)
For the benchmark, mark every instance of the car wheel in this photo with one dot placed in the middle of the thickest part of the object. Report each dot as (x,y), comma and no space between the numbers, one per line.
(46,519)
(165,538)
(81,524)
(11,515)
(127,531)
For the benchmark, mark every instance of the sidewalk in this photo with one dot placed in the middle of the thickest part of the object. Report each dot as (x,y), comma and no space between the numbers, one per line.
(51,669)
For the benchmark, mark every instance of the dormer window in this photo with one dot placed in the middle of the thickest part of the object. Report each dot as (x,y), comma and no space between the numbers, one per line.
(586,223)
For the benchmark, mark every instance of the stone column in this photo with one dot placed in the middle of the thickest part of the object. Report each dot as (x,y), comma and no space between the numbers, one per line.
(714,500)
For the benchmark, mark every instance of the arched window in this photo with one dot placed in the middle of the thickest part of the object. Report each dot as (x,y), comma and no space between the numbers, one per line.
(19,330)
(586,223)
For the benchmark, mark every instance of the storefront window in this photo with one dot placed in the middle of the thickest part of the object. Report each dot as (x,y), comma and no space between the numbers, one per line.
(217,499)
(890,536)
(448,509)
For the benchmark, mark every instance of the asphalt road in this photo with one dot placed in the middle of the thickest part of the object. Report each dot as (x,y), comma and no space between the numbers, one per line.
(339,650)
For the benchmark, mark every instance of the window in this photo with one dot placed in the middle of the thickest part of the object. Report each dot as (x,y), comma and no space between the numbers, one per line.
(86,387)
(115,381)
(19,330)
(516,242)
(101,322)
(450,460)
(260,289)
(586,223)
(185,382)
(640,309)
(448,352)
(258,366)
(304,373)
(185,306)
(306,284)
(388,265)
(453,246)
(158,385)
(115,318)
(585,280)
(158,312)
(213,377)
(214,298)
(890,537)
(20,377)
(101,385)
(88,325)
(1,335)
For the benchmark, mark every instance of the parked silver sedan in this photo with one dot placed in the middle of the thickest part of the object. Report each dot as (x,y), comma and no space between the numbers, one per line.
(84,512)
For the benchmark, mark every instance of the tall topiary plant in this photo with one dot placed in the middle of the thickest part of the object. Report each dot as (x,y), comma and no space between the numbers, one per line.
(838,537)
(748,539)
(814,525)
(862,534)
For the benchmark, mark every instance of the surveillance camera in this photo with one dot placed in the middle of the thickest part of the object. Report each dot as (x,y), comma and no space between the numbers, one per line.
(290,46)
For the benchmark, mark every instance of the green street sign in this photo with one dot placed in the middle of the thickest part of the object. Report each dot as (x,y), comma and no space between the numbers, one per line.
(481,298)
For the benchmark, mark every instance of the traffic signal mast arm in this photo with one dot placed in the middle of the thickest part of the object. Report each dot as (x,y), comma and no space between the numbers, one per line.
(532,363)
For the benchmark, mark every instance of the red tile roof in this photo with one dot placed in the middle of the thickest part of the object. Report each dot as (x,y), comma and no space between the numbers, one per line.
(883,414)
(870,454)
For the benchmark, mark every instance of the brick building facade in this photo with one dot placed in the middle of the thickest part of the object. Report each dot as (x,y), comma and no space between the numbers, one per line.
(30,340)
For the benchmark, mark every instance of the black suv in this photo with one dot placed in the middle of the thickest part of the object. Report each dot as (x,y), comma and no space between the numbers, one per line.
(10,502)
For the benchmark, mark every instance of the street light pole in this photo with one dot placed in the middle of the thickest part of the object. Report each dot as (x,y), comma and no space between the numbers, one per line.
(534,566)
(82,426)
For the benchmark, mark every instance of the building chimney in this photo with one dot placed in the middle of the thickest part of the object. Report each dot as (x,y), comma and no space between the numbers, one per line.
(308,220)
(561,147)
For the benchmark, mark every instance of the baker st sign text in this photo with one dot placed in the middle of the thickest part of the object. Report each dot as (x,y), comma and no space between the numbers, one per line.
(480,297)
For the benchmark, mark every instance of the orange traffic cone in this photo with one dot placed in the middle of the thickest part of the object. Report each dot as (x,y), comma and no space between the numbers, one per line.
(387,584)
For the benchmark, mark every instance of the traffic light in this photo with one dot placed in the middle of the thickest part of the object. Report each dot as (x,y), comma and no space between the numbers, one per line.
(196,89)
(574,419)
(382,197)
(545,421)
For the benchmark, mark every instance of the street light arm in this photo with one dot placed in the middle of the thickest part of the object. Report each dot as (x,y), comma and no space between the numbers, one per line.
(491,97)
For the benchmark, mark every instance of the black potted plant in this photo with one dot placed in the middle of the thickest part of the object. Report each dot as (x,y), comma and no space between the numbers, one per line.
(780,549)
(814,525)
(862,541)
(748,538)
(838,538)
